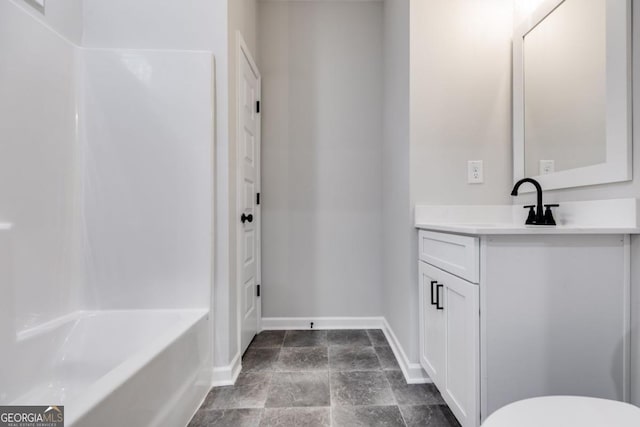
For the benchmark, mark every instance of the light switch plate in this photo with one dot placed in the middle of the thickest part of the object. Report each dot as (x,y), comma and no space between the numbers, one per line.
(547,167)
(475,172)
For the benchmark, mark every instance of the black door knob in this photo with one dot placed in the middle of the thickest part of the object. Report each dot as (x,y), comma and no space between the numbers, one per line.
(246,218)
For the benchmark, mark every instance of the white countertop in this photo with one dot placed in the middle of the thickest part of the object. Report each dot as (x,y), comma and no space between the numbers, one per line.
(619,216)
(511,229)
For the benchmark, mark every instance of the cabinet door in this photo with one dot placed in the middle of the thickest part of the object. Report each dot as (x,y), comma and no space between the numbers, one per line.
(461,388)
(432,326)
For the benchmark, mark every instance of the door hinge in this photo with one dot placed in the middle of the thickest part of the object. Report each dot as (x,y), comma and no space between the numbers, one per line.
(258,107)
(257,198)
(258,290)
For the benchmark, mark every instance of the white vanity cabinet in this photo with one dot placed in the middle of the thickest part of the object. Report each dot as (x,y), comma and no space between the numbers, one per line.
(450,339)
(508,317)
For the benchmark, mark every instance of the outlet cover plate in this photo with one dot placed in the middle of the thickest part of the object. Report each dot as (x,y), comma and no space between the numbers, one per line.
(475,172)
(547,167)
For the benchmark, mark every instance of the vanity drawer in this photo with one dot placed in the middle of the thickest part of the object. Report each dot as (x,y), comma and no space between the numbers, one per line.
(459,255)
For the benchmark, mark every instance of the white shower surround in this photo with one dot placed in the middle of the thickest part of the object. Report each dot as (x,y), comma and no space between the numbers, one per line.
(106,205)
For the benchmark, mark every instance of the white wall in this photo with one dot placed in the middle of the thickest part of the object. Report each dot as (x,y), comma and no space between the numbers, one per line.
(63,16)
(103,150)
(399,239)
(460,100)
(193,24)
(106,175)
(321,64)
(148,24)
(39,170)
(147,144)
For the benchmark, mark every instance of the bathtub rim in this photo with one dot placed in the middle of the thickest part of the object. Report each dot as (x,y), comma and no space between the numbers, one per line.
(98,391)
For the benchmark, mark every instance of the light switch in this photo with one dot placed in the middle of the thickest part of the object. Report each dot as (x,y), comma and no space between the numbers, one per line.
(475,173)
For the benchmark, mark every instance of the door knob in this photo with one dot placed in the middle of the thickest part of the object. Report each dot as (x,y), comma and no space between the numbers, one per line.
(244,218)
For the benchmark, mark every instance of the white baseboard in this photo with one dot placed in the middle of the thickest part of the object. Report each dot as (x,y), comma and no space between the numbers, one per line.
(227,375)
(413,372)
(295,323)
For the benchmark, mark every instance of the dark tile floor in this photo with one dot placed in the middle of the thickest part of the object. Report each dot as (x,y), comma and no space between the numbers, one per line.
(322,378)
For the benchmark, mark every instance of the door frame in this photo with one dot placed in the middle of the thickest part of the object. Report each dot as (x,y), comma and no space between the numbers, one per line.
(243,50)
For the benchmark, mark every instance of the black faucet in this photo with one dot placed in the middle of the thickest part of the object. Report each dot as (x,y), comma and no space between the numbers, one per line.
(539,217)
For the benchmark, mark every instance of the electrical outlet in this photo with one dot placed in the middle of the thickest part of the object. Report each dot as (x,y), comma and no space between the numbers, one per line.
(547,167)
(475,173)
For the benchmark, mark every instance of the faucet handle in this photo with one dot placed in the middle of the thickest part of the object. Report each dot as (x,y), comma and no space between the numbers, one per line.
(548,214)
(531,218)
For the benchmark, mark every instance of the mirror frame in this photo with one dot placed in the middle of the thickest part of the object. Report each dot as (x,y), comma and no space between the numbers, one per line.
(619,162)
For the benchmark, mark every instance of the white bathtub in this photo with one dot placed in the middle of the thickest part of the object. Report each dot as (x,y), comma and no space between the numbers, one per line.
(136,368)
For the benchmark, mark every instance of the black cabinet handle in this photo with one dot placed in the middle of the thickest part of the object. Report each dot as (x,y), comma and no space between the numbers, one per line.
(246,218)
(438,306)
(433,282)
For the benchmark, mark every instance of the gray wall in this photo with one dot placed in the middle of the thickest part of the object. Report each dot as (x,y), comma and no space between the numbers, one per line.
(399,249)
(321,64)
(460,110)
(322,203)
(460,100)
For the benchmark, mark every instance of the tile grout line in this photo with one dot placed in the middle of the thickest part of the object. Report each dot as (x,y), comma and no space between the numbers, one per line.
(404,420)
(330,387)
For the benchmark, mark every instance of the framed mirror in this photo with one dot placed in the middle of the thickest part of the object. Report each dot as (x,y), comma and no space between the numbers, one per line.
(572,93)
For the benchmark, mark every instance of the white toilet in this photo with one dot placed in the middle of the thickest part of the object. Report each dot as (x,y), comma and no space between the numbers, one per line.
(565,411)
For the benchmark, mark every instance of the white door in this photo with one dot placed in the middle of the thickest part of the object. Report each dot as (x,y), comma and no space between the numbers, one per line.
(248,188)
(462,375)
(432,339)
